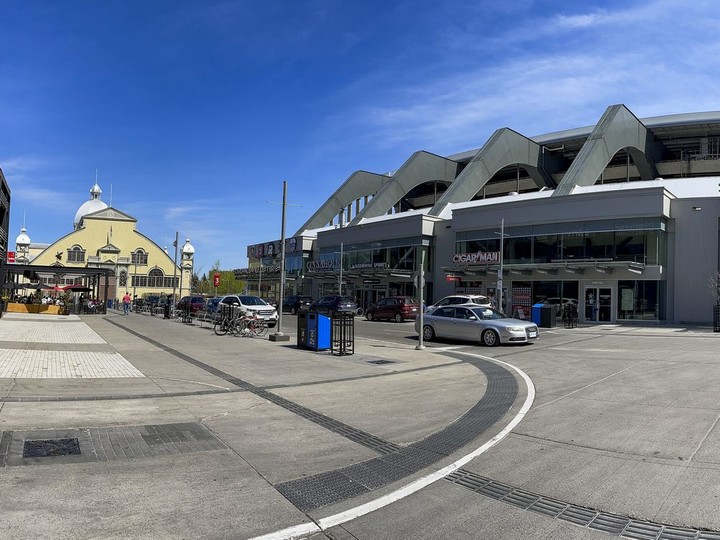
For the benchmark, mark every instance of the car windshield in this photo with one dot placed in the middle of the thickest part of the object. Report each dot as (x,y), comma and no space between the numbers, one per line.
(252,301)
(487,313)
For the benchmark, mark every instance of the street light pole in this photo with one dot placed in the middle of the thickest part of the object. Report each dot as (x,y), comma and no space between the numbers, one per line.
(175,243)
(500,270)
(279,336)
(341,268)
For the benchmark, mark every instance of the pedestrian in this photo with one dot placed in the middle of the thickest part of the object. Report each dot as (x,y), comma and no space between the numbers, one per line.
(126,303)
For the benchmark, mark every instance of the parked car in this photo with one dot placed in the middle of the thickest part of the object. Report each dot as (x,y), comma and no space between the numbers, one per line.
(196,303)
(270,301)
(475,323)
(255,304)
(460,299)
(395,308)
(212,308)
(295,303)
(329,304)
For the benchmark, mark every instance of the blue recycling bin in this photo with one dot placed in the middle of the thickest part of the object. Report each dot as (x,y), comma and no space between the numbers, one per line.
(318,331)
(536,313)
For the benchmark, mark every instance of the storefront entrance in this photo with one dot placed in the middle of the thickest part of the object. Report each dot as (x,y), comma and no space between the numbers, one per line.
(598,304)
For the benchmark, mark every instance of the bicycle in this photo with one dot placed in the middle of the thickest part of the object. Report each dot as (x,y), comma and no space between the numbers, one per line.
(250,325)
(223,325)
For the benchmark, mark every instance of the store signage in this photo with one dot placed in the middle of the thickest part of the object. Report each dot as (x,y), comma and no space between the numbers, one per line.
(11,256)
(371,281)
(478,257)
(368,266)
(452,277)
(326,264)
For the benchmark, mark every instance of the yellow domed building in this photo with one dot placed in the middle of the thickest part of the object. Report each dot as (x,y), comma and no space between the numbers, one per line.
(106,254)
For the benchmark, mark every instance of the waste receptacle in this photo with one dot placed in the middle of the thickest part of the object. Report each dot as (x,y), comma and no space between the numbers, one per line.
(548,316)
(302,329)
(535,313)
(318,331)
(343,333)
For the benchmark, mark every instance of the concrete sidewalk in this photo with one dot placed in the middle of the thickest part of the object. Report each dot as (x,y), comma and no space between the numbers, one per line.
(167,430)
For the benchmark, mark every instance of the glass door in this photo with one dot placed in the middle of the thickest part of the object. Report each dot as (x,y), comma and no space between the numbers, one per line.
(598,304)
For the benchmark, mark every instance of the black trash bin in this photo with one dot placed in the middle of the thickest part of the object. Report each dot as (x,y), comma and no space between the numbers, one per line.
(301,329)
(342,334)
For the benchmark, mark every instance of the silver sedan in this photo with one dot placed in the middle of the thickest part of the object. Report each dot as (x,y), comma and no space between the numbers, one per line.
(476,323)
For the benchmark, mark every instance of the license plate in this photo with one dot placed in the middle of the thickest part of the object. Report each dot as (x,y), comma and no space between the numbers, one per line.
(532,334)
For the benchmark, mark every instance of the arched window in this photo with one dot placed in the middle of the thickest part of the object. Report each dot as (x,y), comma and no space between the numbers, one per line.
(139,256)
(155,278)
(76,254)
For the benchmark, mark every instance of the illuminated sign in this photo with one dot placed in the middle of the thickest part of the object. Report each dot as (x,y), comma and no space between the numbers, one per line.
(476,258)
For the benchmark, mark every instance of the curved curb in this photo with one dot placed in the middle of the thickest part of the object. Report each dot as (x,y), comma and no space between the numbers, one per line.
(299,531)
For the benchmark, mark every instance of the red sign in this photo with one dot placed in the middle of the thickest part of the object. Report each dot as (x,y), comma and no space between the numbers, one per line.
(216,280)
(11,256)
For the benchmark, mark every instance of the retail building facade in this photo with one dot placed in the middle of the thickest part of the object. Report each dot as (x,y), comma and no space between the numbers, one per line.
(621,218)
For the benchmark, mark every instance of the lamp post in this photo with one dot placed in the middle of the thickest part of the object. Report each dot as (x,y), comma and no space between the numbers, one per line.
(341,269)
(175,243)
(278,335)
(500,270)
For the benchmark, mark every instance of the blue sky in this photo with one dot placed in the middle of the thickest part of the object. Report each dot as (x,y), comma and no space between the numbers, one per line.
(194,112)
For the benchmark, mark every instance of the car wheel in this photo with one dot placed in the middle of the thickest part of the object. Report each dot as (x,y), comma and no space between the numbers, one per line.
(369,316)
(489,338)
(428,333)
(398,317)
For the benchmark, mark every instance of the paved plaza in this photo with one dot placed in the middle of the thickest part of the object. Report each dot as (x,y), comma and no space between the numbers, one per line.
(117,427)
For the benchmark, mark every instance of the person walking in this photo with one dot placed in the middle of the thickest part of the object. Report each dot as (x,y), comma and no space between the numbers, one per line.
(126,303)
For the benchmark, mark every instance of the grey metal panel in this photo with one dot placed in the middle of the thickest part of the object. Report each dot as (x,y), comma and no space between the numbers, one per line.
(409,225)
(419,168)
(360,184)
(580,207)
(617,129)
(505,147)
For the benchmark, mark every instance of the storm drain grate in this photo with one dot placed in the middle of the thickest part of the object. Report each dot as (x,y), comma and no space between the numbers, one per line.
(380,362)
(622,526)
(51,447)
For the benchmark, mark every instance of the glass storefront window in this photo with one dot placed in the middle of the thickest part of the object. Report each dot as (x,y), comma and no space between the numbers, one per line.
(640,300)
(518,250)
(546,248)
(630,246)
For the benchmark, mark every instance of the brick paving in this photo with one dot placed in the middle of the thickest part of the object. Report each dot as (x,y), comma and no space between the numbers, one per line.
(17,364)
(36,347)
(26,330)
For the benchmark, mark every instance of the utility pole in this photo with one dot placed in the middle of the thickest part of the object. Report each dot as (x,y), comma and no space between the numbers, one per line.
(278,335)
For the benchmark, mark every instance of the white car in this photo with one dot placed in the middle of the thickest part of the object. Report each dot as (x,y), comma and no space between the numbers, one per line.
(475,323)
(461,299)
(255,304)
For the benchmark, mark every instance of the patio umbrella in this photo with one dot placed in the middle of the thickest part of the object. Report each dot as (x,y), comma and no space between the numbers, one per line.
(76,288)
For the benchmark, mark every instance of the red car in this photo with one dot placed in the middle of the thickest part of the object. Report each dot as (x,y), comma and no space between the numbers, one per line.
(394,308)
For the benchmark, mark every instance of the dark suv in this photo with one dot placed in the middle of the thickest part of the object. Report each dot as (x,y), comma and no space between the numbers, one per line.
(395,308)
(295,303)
(328,304)
(196,303)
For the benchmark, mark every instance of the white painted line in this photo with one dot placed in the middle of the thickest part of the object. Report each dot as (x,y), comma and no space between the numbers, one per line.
(298,531)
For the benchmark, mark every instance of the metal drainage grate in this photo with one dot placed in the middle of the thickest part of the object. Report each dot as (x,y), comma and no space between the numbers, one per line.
(380,362)
(51,447)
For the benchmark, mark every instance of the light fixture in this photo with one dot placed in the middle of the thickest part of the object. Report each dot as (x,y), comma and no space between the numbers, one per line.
(603,269)
(548,271)
(574,270)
